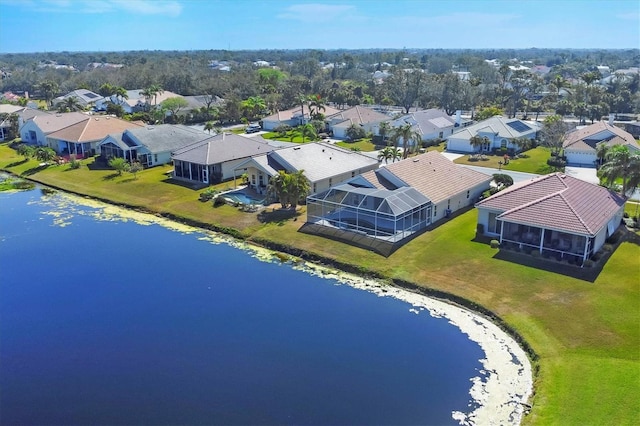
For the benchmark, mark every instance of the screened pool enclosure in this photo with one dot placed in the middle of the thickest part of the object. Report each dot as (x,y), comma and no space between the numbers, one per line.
(379,213)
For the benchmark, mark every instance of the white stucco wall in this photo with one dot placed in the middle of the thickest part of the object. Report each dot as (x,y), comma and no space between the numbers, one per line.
(28,127)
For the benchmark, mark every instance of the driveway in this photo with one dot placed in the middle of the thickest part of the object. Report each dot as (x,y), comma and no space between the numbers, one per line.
(587,174)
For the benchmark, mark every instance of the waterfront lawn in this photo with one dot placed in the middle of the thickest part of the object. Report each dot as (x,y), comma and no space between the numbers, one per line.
(531,161)
(587,334)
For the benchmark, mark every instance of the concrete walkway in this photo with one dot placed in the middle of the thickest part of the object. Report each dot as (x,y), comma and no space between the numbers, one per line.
(587,174)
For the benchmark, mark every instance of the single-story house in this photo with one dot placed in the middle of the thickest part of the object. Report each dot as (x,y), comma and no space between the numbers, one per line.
(149,145)
(6,111)
(499,131)
(580,144)
(367,118)
(431,123)
(292,117)
(134,101)
(81,139)
(398,200)
(216,158)
(324,165)
(556,215)
(36,129)
(85,97)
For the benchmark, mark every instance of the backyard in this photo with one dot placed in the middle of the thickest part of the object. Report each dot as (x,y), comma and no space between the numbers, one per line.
(531,161)
(586,334)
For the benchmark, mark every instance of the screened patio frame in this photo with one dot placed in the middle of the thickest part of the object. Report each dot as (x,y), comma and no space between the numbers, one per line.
(379,213)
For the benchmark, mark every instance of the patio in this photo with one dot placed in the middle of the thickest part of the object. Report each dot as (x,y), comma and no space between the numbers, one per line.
(549,243)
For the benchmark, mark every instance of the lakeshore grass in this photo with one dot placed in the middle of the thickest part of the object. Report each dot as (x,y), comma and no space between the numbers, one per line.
(587,334)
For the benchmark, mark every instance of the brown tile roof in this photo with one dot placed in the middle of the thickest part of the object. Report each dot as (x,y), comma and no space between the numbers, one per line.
(434,176)
(557,201)
(584,138)
(93,128)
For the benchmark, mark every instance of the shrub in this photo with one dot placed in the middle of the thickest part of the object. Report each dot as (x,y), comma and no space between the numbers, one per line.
(208,194)
(218,201)
(73,163)
(495,244)
(588,263)
(607,248)
(504,179)
(556,162)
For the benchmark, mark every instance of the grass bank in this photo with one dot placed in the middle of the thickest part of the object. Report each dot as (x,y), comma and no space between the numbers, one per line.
(586,334)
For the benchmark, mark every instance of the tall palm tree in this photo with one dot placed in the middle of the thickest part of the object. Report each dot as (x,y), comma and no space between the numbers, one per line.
(253,106)
(45,154)
(383,130)
(408,135)
(297,187)
(602,149)
(277,188)
(389,153)
(316,104)
(120,92)
(478,141)
(621,164)
(559,83)
(209,126)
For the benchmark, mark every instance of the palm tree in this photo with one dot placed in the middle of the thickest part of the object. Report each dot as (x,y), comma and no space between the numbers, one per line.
(45,154)
(121,93)
(277,188)
(621,164)
(297,187)
(602,149)
(477,141)
(316,104)
(25,150)
(408,135)
(253,106)
(308,130)
(559,83)
(389,153)
(72,103)
(383,130)
(209,126)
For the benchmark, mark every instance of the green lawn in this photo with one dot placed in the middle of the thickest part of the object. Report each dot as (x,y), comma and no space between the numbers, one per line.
(531,161)
(360,145)
(291,136)
(587,334)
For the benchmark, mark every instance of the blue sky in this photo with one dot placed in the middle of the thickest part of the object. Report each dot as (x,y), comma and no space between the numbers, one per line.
(114,25)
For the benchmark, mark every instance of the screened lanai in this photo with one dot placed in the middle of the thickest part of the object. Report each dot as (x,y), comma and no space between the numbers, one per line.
(380,213)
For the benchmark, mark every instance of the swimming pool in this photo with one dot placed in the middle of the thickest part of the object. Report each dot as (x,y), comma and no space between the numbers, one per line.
(241,197)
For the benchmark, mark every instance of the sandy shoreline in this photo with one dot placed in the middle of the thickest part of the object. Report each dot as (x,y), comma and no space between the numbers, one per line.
(500,392)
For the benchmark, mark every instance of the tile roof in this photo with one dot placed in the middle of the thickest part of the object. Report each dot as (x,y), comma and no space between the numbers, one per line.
(50,123)
(290,113)
(93,128)
(557,201)
(432,174)
(356,115)
(166,137)
(221,148)
(586,138)
(321,160)
(498,125)
(426,122)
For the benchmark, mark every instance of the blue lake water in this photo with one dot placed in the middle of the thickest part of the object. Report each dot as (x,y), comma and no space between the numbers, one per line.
(109,322)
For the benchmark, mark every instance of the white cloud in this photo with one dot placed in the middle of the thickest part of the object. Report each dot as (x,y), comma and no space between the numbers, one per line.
(316,12)
(145,7)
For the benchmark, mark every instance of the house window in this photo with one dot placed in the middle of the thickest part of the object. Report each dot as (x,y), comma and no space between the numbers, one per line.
(314,188)
(448,204)
(353,174)
(493,223)
(503,143)
(435,211)
(253,179)
(467,194)
(440,135)
(155,158)
(330,181)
